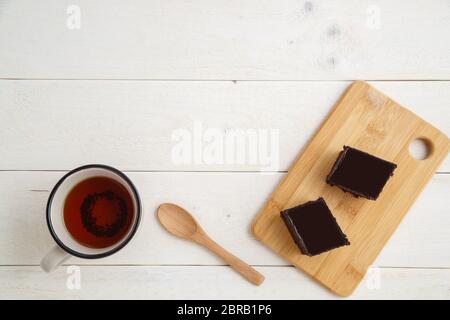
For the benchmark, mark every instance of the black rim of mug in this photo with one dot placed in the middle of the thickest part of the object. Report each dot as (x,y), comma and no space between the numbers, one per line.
(124,242)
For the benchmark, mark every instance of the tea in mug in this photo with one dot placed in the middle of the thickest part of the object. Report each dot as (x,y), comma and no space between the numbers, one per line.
(98,212)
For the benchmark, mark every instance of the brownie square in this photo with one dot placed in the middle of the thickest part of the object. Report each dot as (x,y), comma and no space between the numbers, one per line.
(360,173)
(313,227)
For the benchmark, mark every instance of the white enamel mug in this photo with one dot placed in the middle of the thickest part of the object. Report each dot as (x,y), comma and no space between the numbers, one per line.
(66,246)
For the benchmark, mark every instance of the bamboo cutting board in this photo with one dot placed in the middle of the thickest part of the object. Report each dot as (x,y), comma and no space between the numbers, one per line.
(365,119)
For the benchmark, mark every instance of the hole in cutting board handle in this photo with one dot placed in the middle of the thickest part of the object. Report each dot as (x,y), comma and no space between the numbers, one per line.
(420,148)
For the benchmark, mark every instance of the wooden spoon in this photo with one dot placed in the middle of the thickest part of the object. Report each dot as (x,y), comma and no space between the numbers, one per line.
(181,223)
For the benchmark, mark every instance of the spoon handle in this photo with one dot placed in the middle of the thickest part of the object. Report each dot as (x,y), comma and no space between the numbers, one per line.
(237,264)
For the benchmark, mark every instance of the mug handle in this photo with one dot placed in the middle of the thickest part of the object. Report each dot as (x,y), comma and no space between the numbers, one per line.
(54,258)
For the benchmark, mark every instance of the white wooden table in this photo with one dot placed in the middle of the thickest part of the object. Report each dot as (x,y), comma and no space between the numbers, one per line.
(109,81)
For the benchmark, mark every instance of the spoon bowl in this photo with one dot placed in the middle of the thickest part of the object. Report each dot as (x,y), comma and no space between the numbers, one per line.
(177,220)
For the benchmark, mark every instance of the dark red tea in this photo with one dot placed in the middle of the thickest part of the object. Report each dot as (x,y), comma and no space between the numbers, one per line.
(98,212)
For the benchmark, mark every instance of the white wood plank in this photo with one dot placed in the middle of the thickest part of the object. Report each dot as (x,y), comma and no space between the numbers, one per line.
(129,124)
(207,282)
(225,39)
(224,203)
